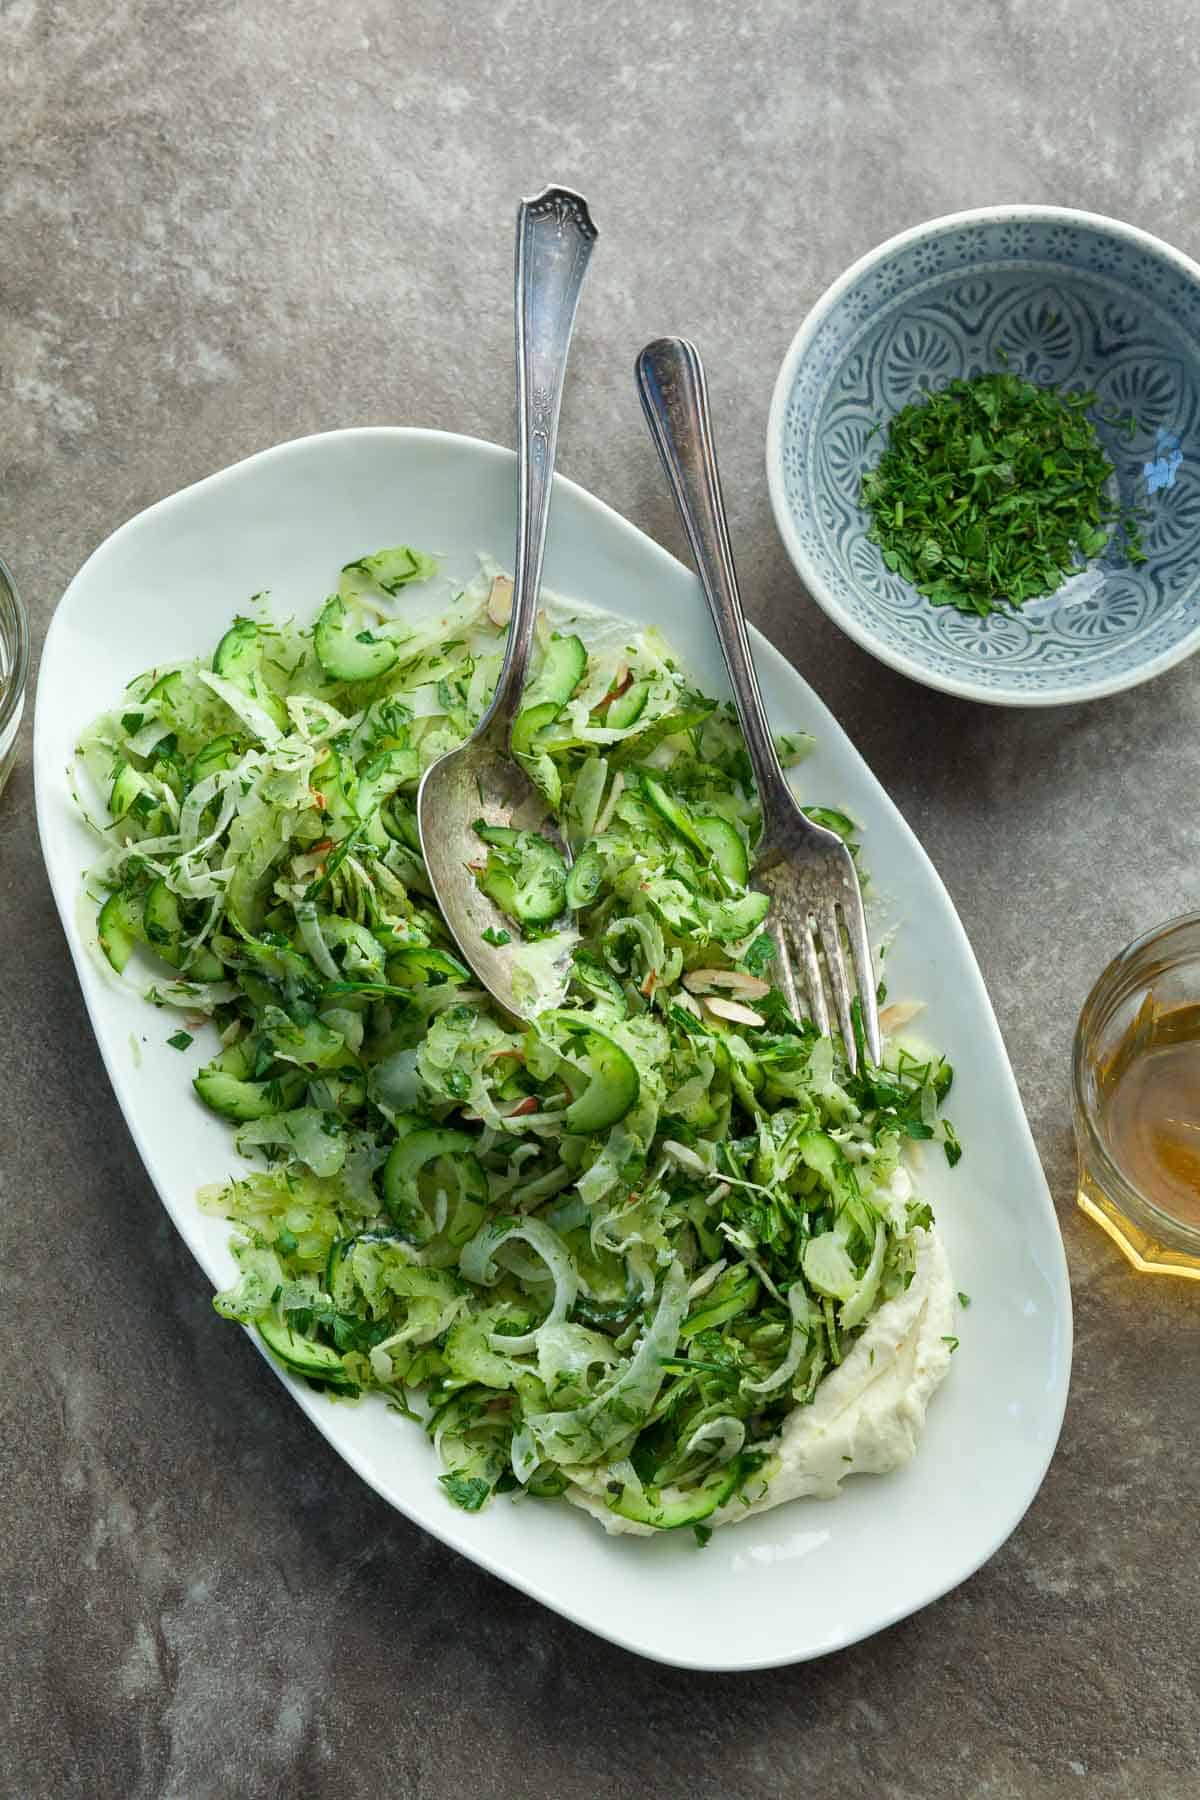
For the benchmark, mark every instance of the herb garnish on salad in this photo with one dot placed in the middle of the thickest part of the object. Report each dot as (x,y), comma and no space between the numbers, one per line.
(609,1254)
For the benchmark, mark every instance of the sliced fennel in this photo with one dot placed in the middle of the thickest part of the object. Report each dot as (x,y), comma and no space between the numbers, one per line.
(616,1248)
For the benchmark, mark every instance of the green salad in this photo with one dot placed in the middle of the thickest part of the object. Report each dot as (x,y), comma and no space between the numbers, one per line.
(609,1252)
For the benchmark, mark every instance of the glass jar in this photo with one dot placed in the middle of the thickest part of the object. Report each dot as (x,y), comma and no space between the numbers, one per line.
(1147,1000)
(14,670)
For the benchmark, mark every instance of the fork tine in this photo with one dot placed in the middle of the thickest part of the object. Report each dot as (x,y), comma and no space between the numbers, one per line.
(835,962)
(783,968)
(860,950)
(818,1010)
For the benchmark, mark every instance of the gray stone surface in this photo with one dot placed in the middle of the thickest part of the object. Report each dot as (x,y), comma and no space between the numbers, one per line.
(228,224)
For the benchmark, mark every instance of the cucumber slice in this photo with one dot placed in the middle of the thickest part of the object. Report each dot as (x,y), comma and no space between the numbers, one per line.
(529,723)
(119,926)
(471,1358)
(589,973)
(729,920)
(639,744)
(608,1087)
(319,1362)
(400,823)
(725,846)
(346,649)
(586,874)
(382,776)
(628,707)
(525,874)
(236,1059)
(607,1316)
(163,931)
(218,753)
(462,1171)
(648,1508)
(363,956)
(547,1482)
(166,695)
(278,961)
(833,820)
(235,1098)
(733,1293)
(238,657)
(132,793)
(561,672)
(347,1093)
(387,570)
(166,687)
(676,817)
(423,966)
(160,916)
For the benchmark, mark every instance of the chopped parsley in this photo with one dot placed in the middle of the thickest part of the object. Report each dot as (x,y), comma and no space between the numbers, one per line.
(992,491)
(467,1491)
(950,1143)
(760,955)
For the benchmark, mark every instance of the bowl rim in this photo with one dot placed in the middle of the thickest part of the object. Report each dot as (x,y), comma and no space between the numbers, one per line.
(799,347)
(15,677)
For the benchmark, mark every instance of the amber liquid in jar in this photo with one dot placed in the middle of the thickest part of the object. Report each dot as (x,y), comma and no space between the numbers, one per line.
(1149,1112)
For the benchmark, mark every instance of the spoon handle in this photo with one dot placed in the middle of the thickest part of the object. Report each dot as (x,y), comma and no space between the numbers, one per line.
(555,235)
(674,396)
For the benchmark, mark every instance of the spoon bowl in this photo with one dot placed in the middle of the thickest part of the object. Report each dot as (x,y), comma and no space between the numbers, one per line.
(482,780)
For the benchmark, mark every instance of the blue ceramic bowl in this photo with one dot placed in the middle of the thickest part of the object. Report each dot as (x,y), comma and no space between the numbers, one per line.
(1063,297)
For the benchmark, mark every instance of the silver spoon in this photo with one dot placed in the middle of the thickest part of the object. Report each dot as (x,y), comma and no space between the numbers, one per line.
(481,778)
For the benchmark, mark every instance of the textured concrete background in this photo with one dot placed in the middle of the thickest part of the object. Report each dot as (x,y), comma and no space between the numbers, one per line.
(228,224)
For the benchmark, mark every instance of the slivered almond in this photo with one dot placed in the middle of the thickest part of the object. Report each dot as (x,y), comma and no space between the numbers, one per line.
(499,601)
(899,1014)
(699,981)
(733,1010)
(530,1104)
(735,981)
(689,1004)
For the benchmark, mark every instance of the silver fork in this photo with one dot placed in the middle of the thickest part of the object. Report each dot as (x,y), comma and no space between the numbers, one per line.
(806,870)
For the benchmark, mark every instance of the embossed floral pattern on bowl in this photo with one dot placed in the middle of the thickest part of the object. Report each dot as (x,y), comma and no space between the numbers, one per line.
(1063,297)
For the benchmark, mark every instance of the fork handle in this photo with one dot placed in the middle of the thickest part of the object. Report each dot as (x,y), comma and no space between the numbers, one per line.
(674,396)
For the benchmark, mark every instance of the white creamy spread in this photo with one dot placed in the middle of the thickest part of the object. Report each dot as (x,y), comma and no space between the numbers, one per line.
(867,1415)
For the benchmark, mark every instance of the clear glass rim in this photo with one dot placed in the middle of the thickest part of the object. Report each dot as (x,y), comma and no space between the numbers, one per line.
(12,694)
(1164,1227)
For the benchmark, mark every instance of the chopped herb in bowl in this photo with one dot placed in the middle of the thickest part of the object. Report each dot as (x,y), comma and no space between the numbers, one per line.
(992,492)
